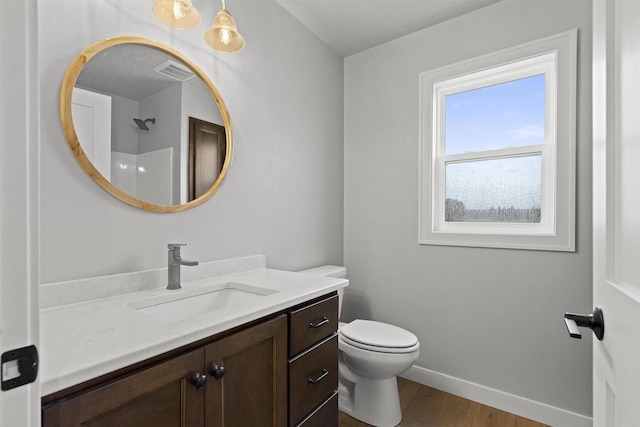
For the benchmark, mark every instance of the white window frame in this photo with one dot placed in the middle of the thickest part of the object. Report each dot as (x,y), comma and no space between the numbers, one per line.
(556,58)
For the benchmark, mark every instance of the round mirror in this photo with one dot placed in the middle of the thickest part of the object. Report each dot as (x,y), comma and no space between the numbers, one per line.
(146,124)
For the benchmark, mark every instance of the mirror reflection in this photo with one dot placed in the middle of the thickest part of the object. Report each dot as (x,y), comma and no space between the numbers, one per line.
(148,121)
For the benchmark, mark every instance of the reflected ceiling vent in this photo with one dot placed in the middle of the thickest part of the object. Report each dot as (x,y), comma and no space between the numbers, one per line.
(174,70)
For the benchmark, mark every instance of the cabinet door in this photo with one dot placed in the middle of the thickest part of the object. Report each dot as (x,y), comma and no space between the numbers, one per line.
(160,396)
(253,390)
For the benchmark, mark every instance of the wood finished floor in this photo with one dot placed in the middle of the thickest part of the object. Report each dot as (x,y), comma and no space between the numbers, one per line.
(427,407)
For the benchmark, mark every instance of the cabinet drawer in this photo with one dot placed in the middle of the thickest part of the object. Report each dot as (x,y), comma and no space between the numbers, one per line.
(324,416)
(313,377)
(311,324)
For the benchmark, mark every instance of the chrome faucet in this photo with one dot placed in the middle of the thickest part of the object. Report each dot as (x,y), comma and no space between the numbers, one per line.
(174,262)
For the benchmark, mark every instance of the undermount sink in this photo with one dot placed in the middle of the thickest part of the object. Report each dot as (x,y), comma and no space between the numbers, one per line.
(185,304)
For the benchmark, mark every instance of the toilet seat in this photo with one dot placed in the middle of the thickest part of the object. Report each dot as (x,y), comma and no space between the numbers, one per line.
(378,337)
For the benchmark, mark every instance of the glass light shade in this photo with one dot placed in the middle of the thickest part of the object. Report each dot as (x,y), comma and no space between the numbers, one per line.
(177,13)
(223,34)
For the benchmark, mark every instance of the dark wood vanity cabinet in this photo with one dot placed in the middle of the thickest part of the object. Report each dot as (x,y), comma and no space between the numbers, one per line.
(253,388)
(159,396)
(313,364)
(251,392)
(252,379)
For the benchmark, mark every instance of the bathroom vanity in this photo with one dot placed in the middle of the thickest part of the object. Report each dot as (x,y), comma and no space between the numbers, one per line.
(252,361)
(238,344)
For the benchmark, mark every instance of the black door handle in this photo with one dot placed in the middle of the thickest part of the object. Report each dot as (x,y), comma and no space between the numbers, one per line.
(593,321)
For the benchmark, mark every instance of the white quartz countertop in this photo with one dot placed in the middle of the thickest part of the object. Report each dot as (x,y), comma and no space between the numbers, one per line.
(82,341)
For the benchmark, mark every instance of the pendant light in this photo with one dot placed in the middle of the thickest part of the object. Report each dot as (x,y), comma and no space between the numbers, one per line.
(223,34)
(177,13)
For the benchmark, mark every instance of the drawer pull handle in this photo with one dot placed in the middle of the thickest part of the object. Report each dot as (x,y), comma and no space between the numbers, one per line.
(319,323)
(320,378)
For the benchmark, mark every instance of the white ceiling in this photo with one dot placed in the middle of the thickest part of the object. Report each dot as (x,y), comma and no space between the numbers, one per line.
(127,70)
(351,26)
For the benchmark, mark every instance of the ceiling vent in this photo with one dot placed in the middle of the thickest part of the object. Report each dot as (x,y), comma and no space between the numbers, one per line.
(174,70)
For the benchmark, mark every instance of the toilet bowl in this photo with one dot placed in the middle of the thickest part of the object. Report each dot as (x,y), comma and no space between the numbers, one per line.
(371,355)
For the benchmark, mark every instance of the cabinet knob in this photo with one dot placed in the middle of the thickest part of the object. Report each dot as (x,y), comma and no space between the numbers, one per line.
(217,371)
(199,380)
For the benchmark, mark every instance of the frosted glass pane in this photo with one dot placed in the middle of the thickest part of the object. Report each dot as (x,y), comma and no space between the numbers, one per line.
(499,190)
(508,114)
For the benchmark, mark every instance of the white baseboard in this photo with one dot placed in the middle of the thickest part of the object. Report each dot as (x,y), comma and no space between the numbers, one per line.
(508,402)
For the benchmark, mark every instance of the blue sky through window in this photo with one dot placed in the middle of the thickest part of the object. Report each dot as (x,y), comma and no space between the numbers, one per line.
(509,114)
(505,115)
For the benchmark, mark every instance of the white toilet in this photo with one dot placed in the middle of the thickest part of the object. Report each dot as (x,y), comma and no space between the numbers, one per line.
(371,355)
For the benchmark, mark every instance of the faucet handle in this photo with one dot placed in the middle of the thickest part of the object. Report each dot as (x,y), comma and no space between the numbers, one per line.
(174,246)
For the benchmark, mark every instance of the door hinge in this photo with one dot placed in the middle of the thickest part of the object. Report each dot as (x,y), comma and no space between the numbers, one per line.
(19,367)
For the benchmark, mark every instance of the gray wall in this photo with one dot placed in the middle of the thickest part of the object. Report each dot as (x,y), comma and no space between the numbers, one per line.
(283,196)
(124,132)
(489,316)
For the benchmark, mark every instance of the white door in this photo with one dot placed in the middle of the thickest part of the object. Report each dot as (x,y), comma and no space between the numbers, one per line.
(616,202)
(91,113)
(19,198)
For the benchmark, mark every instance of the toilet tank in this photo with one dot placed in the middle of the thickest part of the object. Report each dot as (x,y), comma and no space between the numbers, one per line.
(330,271)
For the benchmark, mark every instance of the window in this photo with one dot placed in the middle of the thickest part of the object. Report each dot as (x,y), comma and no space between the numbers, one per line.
(497,149)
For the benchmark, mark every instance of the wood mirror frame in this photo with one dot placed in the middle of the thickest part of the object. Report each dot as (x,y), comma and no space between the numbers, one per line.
(66,118)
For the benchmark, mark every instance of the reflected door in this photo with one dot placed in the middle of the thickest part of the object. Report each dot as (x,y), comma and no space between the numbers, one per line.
(92,115)
(207,150)
(616,202)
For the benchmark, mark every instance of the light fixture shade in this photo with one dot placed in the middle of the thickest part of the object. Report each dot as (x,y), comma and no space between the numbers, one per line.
(177,13)
(223,34)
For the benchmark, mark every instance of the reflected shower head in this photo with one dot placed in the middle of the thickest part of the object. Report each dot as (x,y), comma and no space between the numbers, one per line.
(142,124)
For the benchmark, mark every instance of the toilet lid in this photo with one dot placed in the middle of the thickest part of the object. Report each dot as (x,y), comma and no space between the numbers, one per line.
(378,334)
